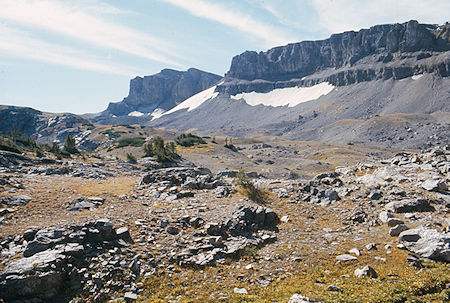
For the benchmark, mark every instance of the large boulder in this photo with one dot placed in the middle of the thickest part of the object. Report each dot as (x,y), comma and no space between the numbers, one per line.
(427,243)
(409,206)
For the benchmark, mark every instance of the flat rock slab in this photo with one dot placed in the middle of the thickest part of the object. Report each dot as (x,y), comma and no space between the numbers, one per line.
(409,206)
(345,258)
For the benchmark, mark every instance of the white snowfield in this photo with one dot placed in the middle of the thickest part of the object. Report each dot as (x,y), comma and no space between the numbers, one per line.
(290,96)
(194,101)
(417,77)
(135,114)
(157,113)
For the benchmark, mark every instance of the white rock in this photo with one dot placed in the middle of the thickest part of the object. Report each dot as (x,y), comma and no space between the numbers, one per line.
(241,291)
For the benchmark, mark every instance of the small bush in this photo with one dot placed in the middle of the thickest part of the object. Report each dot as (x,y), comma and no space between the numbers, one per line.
(187,140)
(135,141)
(163,152)
(131,158)
(230,145)
(248,188)
(39,153)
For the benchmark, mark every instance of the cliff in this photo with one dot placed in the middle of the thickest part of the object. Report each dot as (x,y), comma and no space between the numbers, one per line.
(381,52)
(163,90)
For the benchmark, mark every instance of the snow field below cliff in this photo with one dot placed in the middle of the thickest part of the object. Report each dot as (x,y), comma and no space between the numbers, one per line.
(194,101)
(290,96)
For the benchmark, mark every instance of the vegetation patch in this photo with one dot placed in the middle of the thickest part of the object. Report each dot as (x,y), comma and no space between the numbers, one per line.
(187,140)
(249,189)
(163,152)
(135,141)
(113,134)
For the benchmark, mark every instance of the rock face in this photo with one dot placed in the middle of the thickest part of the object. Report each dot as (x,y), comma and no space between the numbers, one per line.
(388,42)
(58,258)
(163,90)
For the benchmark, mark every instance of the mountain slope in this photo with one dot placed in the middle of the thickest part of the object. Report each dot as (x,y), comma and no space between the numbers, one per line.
(299,90)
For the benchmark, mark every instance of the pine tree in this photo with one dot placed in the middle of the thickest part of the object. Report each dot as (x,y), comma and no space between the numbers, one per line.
(70,146)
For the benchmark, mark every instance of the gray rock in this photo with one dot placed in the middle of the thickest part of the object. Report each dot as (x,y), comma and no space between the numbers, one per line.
(124,234)
(297,298)
(172,230)
(384,216)
(241,291)
(374,195)
(334,288)
(33,277)
(367,271)
(129,296)
(409,205)
(395,231)
(305,58)
(435,185)
(29,234)
(345,258)
(427,243)
(222,192)
(393,222)
(19,200)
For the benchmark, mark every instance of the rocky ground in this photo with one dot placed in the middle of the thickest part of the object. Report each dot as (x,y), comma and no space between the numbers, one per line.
(338,224)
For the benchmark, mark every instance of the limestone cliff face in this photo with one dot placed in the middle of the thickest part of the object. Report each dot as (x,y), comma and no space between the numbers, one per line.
(376,50)
(163,90)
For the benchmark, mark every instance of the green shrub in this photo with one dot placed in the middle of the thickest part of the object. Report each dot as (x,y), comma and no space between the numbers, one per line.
(189,140)
(135,141)
(163,152)
(248,188)
(131,158)
(70,147)
(8,145)
(54,149)
(39,153)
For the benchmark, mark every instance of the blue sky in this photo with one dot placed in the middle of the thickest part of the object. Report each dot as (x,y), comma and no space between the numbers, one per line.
(76,56)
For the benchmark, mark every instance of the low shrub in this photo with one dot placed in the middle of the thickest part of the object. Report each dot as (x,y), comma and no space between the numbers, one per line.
(135,141)
(187,140)
(131,158)
(248,188)
(163,152)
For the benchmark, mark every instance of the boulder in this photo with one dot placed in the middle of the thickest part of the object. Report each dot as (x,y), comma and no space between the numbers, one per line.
(297,298)
(427,243)
(384,216)
(367,271)
(409,206)
(396,230)
(19,200)
(435,185)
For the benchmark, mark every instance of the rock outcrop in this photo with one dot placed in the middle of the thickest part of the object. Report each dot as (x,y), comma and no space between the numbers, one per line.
(164,90)
(378,44)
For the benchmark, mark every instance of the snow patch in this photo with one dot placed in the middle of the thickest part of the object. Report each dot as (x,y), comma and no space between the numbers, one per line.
(416,77)
(157,113)
(195,101)
(135,114)
(290,96)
